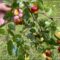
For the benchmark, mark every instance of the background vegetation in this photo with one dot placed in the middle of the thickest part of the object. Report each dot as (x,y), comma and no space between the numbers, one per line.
(3,51)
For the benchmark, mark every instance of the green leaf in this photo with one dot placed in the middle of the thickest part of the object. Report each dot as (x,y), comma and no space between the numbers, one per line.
(11,26)
(40,4)
(21,57)
(53,26)
(26,14)
(46,9)
(40,1)
(41,49)
(32,30)
(15,4)
(2,31)
(10,32)
(42,23)
(49,12)
(18,40)
(30,36)
(47,23)
(32,24)
(52,41)
(8,16)
(10,47)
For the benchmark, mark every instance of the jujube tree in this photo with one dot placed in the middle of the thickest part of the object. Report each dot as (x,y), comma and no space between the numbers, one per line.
(31,31)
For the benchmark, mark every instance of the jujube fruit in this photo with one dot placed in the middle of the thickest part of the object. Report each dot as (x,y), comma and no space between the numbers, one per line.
(59,49)
(58,41)
(15,11)
(57,34)
(34,9)
(18,21)
(48,53)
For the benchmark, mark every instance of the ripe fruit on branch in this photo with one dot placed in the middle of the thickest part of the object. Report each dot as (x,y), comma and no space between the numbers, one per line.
(59,49)
(58,41)
(18,12)
(48,53)
(15,11)
(46,57)
(57,34)
(16,17)
(34,9)
(21,15)
(18,21)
